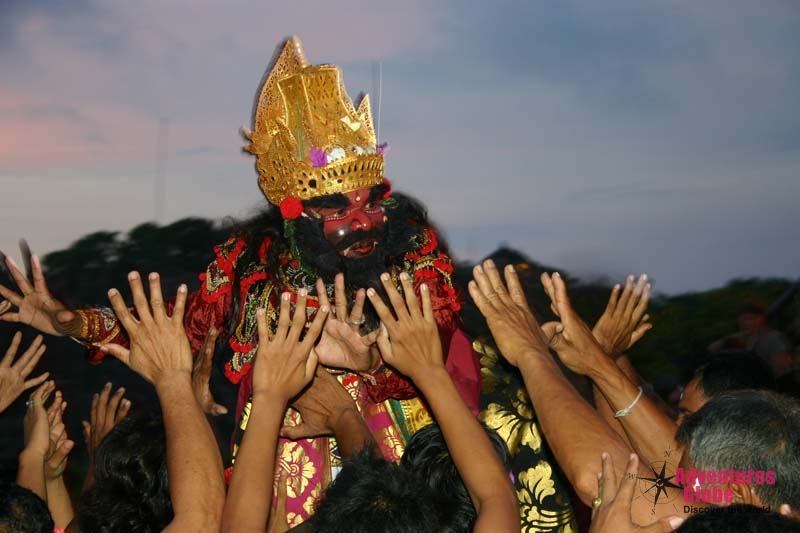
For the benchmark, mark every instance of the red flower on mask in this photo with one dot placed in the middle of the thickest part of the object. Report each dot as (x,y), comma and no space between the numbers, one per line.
(388,184)
(291,208)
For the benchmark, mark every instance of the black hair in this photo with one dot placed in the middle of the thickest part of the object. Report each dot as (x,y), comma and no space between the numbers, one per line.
(131,489)
(741,518)
(428,458)
(729,372)
(23,511)
(371,494)
(749,430)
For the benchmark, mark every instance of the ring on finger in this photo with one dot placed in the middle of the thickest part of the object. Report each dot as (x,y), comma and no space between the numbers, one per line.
(358,323)
(597,502)
(30,402)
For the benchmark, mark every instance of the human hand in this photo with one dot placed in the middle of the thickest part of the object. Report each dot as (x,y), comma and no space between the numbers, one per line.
(513,326)
(55,462)
(159,346)
(12,376)
(106,412)
(37,427)
(611,511)
(574,342)
(624,320)
(320,405)
(341,344)
(201,375)
(410,343)
(284,364)
(35,305)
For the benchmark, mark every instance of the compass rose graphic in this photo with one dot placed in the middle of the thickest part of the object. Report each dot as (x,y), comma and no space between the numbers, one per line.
(656,483)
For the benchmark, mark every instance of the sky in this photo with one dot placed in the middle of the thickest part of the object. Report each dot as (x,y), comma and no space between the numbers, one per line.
(605,138)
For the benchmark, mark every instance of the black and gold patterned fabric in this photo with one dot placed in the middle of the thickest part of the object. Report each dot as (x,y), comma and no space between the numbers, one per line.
(542,491)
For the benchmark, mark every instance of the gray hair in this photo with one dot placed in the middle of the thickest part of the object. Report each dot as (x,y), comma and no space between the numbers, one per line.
(749,430)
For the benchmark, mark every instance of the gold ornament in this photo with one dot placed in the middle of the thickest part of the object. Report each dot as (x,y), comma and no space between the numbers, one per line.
(308,138)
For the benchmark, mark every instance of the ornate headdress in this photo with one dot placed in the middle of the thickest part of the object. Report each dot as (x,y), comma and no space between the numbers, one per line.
(309,139)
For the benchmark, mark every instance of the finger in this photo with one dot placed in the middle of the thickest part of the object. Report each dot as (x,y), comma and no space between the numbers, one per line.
(340,297)
(113,405)
(639,332)
(322,293)
(380,308)
(33,382)
(102,404)
(315,329)
(485,286)
(626,486)
(261,324)
(156,298)
(497,282)
(515,290)
(299,318)
(217,409)
(87,431)
(284,320)
(10,296)
(29,361)
(638,290)
(549,288)
(5,305)
(300,431)
(280,501)
(118,352)
(551,329)
(427,305)
(22,282)
(124,409)
(562,302)
(641,305)
(481,302)
(311,365)
(411,298)
(93,410)
(140,302)
(61,452)
(398,304)
(209,344)
(609,479)
(25,251)
(613,299)
(384,344)
(121,310)
(666,524)
(39,283)
(627,293)
(12,349)
(54,408)
(180,303)
(357,313)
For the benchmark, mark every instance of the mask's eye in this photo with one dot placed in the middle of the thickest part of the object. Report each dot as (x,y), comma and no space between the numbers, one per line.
(373,206)
(341,212)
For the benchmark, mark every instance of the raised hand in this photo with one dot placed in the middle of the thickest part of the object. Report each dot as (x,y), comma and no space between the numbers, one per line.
(55,462)
(35,305)
(159,346)
(284,365)
(611,511)
(624,320)
(201,375)
(574,343)
(410,342)
(36,424)
(342,345)
(320,405)
(13,380)
(513,326)
(106,412)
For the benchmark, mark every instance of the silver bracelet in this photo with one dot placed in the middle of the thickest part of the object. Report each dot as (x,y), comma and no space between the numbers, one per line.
(627,410)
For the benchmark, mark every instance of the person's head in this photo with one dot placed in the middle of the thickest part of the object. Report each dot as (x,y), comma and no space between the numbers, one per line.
(748,431)
(740,518)
(22,511)
(131,489)
(372,494)
(427,457)
(752,316)
(724,373)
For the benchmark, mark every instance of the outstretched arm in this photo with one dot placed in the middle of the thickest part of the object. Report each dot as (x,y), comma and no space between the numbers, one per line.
(13,377)
(525,344)
(160,353)
(411,344)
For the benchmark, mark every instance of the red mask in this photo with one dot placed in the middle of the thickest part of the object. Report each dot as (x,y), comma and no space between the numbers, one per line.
(361,215)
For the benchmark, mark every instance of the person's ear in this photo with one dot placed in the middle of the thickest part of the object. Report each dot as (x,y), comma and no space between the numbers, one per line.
(744,494)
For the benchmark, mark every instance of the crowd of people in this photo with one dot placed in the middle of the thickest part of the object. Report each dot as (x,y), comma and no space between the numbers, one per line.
(359,396)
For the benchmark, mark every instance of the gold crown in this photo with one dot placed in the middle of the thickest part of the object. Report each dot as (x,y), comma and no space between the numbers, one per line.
(309,139)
